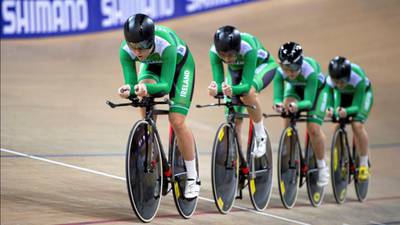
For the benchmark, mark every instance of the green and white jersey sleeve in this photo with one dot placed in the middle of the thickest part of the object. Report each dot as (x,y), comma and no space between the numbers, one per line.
(251,54)
(309,80)
(168,51)
(356,87)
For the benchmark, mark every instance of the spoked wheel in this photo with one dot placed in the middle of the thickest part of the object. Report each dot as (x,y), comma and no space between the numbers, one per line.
(186,207)
(288,167)
(315,192)
(144,171)
(260,176)
(225,168)
(340,166)
(360,186)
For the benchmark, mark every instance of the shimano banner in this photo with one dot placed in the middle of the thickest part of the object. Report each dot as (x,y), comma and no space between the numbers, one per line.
(43,18)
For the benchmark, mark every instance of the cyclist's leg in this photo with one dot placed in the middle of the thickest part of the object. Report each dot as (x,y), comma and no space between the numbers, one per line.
(181,96)
(251,98)
(314,123)
(147,75)
(360,133)
(317,136)
(263,76)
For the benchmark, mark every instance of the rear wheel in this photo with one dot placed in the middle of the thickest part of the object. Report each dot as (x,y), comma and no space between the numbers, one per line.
(260,176)
(224,168)
(315,192)
(288,167)
(340,166)
(186,207)
(144,171)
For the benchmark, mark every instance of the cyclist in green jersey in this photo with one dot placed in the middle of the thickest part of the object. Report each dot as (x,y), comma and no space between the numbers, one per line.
(305,89)
(250,69)
(166,67)
(352,96)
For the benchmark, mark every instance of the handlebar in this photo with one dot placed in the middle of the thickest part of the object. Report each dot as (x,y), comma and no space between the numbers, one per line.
(227,104)
(335,119)
(136,102)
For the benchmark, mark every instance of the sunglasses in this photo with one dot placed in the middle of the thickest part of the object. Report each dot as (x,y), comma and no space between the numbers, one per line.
(291,67)
(146,44)
(343,80)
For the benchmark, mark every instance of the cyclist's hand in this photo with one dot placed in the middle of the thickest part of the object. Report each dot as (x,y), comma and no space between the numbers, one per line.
(124,91)
(141,90)
(278,108)
(226,89)
(213,89)
(293,107)
(329,112)
(342,112)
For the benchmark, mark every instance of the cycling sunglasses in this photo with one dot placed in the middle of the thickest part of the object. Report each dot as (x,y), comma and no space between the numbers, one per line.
(145,44)
(291,67)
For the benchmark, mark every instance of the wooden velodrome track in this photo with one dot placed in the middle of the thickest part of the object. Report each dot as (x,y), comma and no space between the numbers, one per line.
(52,106)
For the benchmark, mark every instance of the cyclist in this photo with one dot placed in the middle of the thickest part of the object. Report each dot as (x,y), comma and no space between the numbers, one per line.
(250,68)
(166,67)
(300,85)
(352,97)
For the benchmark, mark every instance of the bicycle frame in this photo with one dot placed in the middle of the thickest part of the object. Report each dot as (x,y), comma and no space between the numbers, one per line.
(148,103)
(342,126)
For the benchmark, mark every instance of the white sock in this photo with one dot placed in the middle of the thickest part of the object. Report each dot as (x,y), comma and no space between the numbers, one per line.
(191,169)
(321,163)
(364,160)
(259,129)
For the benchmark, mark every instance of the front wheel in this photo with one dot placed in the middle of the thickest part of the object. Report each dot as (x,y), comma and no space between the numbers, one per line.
(288,167)
(186,207)
(144,171)
(260,176)
(224,168)
(340,165)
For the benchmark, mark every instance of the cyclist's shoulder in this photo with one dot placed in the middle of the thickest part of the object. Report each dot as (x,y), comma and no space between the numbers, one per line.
(251,40)
(358,70)
(125,52)
(310,66)
(166,35)
(311,61)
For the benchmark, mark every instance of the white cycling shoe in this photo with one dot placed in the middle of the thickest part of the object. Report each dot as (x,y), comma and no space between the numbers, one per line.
(192,188)
(323,176)
(260,147)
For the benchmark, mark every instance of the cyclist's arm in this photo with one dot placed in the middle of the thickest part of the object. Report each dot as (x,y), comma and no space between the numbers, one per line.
(250,60)
(357,99)
(278,88)
(168,68)
(217,70)
(309,92)
(330,92)
(337,101)
(128,69)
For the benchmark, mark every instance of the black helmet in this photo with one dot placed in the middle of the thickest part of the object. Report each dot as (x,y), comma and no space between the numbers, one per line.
(291,53)
(139,28)
(227,38)
(339,68)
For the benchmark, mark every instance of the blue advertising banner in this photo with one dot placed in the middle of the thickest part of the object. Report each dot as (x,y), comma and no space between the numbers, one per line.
(44,18)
